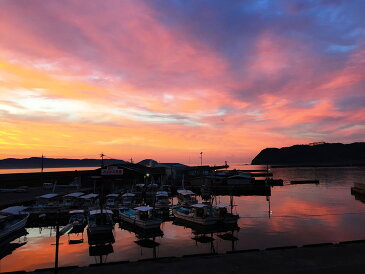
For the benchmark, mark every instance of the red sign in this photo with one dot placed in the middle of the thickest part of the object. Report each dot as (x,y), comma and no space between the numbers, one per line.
(112,170)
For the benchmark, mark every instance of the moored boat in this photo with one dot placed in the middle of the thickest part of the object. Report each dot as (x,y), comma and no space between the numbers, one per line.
(224,216)
(201,214)
(12,219)
(140,216)
(100,221)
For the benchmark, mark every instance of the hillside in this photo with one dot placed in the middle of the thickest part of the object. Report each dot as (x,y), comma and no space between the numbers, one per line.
(322,154)
(36,162)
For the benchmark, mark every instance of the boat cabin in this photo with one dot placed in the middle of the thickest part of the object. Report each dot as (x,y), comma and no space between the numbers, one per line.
(186,197)
(100,217)
(162,199)
(49,200)
(144,212)
(90,200)
(72,199)
(128,199)
(200,210)
(112,200)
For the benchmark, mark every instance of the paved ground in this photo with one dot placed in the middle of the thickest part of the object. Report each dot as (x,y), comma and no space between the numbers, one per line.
(340,258)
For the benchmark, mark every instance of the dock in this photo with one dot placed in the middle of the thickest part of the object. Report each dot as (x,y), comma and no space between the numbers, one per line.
(343,257)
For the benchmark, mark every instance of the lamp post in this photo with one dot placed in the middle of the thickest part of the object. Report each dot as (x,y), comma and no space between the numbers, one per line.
(59,233)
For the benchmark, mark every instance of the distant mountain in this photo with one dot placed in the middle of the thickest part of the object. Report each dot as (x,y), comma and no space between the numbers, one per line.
(36,162)
(323,154)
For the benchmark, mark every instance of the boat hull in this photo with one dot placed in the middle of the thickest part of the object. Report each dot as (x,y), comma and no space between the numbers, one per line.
(14,227)
(211,220)
(145,224)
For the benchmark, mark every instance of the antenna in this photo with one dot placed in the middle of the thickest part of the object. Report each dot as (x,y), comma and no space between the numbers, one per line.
(201,158)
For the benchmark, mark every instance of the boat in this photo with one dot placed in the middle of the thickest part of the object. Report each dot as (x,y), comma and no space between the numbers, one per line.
(112,200)
(242,178)
(128,199)
(100,221)
(12,219)
(201,214)
(186,197)
(140,216)
(78,220)
(162,200)
(224,216)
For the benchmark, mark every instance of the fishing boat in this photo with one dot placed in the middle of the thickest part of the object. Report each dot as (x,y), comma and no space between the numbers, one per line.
(162,200)
(128,199)
(140,216)
(201,214)
(12,219)
(186,197)
(112,200)
(224,216)
(78,220)
(100,221)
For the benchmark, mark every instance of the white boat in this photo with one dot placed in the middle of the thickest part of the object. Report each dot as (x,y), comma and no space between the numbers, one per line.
(100,221)
(201,214)
(186,197)
(12,219)
(162,200)
(224,216)
(140,216)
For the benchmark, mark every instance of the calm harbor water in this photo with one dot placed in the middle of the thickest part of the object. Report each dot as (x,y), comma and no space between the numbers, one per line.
(300,214)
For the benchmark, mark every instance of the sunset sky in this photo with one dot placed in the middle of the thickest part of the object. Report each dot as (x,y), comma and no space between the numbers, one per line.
(168,79)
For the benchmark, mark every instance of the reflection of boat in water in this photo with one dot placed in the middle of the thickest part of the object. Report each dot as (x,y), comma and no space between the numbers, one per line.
(201,214)
(7,246)
(12,219)
(140,216)
(100,221)
(101,245)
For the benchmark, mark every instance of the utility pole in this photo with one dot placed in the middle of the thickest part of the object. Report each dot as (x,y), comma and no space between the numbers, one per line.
(102,159)
(42,170)
(201,158)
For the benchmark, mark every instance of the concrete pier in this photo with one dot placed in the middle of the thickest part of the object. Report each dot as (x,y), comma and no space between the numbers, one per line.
(345,257)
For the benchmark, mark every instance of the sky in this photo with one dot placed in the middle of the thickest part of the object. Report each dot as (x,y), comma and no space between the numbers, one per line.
(170,79)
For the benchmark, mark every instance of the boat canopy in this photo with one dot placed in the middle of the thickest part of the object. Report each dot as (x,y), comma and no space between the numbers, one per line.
(75,194)
(140,185)
(128,195)
(90,196)
(185,192)
(49,196)
(77,211)
(222,205)
(112,195)
(199,205)
(162,194)
(15,210)
(98,211)
(143,208)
